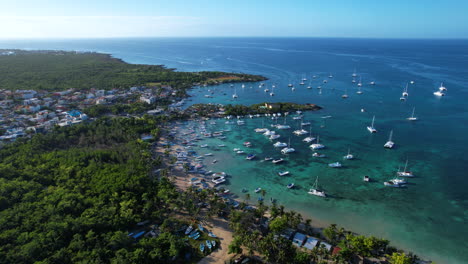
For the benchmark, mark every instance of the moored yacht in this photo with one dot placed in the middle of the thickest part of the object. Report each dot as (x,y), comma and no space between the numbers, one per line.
(366,178)
(288,149)
(283,173)
(317,145)
(371,127)
(316,191)
(405,173)
(390,143)
(439,93)
(250,157)
(280,144)
(349,156)
(290,186)
(412,117)
(442,88)
(275,161)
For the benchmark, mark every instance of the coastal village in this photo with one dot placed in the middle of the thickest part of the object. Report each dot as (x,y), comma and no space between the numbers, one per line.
(26,112)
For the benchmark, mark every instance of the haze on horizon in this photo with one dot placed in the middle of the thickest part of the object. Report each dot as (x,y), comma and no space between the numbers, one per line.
(202,18)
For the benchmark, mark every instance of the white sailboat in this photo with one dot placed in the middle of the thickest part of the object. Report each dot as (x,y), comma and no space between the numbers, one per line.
(349,156)
(371,127)
(345,95)
(234,96)
(360,82)
(442,88)
(317,145)
(439,93)
(288,149)
(389,143)
(309,138)
(405,173)
(272,92)
(412,117)
(359,90)
(316,191)
(405,91)
(354,73)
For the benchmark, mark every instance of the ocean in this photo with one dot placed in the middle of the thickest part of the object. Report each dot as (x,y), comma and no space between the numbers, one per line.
(428,216)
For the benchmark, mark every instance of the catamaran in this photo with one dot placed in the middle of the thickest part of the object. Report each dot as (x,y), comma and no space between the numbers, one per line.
(349,156)
(393,184)
(405,173)
(412,117)
(288,149)
(389,143)
(309,138)
(274,136)
(371,127)
(300,132)
(317,145)
(316,191)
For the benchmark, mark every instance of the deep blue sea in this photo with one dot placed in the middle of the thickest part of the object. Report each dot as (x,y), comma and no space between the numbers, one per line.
(430,215)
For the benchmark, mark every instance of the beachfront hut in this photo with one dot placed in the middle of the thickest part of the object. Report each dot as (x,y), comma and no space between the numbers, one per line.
(299,239)
(288,233)
(311,243)
(326,245)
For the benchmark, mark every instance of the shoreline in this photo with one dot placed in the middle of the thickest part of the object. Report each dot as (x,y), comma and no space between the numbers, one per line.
(182,181)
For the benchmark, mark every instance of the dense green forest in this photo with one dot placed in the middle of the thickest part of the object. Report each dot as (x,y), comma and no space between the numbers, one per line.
(58,70)
(72,195)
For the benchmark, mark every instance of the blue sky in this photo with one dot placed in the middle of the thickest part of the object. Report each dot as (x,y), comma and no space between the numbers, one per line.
(307,18)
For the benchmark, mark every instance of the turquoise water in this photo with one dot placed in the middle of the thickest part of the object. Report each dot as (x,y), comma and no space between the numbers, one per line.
(429,216)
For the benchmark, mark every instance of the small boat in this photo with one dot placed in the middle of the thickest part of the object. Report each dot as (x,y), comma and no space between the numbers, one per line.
(236,149)
(371,127)
(442,88)
(221,145)
(412,117)
(202,247)
(411,82)
(335,165)
(280,144)
(275,161)
(354,73)
(305,124)
(240,122)
(188,230)
(283,127)
(325,81)
(366,178)
(258,190)
(360,82)
(275,136)
(209,154)
(250,157)
(390,143)
(300,132)
(372,83)
(290,85)
(283,173)
(240,152)
(234,96)
(268,158)
(439,93)
(290,186)
(261,130)
(208,243)
(318,155)
(349,156)
(315,191)
(405,173)
(210,234)
(330,76)
(213,243)
(363,110)
(247,144)
(214,161)
(204,146)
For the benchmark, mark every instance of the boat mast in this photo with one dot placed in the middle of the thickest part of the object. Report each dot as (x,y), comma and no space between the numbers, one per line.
(412,115)
(406,165)
(373,119)
(390,137)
